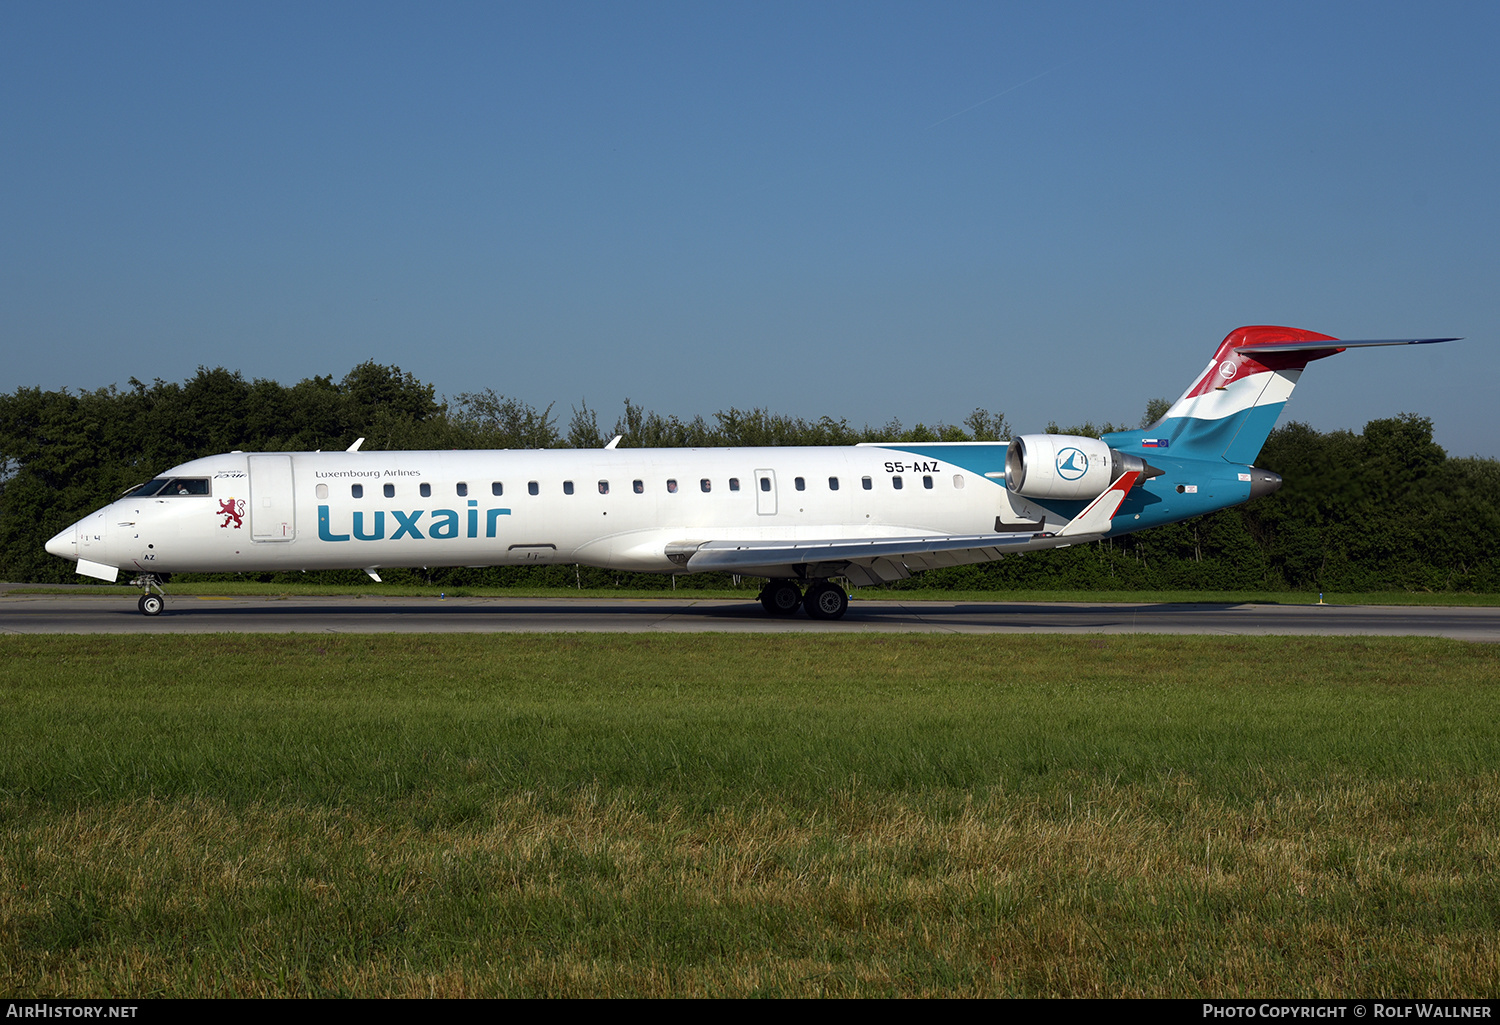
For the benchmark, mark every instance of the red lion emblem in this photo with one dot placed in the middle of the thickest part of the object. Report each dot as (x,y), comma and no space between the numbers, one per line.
(234,510)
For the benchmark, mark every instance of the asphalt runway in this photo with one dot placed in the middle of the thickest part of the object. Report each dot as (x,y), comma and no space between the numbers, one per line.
(70,614)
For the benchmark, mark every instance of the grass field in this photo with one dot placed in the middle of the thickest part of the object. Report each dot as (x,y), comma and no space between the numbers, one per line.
(632,815)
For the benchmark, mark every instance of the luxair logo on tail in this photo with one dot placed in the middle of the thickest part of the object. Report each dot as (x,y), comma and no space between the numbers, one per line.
(441,524)
(1228,412)
(1072,464)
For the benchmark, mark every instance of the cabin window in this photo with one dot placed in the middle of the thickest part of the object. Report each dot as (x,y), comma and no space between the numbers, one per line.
(390,491)
(765,483)
(866,483)
(426,490)
(833,483)
(638,486)
(706,485)
(734,483)
(496,488)
(322,490)
(462,489)
(927,483)
(357,490)
(567,487)
(799,483)
(533,488)
(672,486)
(958,481)
(604,487)
(896,482)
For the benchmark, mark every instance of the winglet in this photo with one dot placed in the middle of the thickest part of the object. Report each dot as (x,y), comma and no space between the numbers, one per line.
(1096,517)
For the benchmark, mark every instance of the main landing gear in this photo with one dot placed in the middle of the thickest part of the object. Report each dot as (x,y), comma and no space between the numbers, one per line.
(823,600)
(150,604)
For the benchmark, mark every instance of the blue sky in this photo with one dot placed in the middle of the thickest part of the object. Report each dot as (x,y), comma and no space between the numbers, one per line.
(858,209)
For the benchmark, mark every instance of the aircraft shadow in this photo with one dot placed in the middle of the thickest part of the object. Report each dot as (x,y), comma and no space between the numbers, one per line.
(871,612)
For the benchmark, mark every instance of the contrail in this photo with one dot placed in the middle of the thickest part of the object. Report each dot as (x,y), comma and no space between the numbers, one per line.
(1013,88)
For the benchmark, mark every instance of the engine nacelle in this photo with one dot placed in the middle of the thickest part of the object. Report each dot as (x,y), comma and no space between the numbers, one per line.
(1064,466)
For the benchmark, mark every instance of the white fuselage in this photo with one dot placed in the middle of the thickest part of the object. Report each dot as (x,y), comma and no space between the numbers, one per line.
(616,508)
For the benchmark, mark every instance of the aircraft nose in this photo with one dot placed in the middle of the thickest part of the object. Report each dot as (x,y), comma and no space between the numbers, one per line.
(65,543)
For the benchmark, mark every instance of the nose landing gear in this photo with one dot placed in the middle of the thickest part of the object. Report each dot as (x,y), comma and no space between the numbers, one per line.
(150,604)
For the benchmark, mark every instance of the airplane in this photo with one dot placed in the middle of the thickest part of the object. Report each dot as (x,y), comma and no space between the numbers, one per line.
(802,518)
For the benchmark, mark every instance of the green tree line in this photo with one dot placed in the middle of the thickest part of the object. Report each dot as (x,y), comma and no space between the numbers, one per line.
(1383,509)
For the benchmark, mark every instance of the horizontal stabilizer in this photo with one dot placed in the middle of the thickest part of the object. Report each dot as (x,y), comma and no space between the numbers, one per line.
(1333,345)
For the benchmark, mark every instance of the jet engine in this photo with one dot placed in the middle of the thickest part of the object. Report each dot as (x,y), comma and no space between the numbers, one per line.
(1065,466)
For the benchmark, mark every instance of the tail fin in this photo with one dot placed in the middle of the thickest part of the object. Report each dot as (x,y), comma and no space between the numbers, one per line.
(1234,403)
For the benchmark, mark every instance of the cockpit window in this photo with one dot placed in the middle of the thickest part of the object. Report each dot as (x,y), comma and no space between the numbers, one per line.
(190,486)
(168,487)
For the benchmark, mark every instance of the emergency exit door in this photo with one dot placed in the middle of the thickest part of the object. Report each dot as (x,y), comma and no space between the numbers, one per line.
(765,492)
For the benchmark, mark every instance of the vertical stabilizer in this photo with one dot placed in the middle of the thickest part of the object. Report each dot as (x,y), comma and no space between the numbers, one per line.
(1232,406)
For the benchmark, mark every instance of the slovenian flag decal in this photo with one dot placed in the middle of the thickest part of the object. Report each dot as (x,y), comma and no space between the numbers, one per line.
(1154,442)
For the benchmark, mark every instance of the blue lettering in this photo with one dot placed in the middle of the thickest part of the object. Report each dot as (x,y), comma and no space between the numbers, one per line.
(359,527)
(324,534)
(408,523)
(444,523)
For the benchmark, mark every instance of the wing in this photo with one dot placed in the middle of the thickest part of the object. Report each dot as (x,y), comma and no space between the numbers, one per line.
(863,560)
(868,561)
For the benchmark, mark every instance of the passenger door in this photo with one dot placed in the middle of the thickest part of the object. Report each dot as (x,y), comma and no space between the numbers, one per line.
(272,505)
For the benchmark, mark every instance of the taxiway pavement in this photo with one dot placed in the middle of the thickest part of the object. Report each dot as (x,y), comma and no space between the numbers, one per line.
(22,613)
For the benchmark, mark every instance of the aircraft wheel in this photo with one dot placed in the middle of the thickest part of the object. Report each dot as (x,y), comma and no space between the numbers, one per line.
(781,598)
(826,601)
(151,605)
